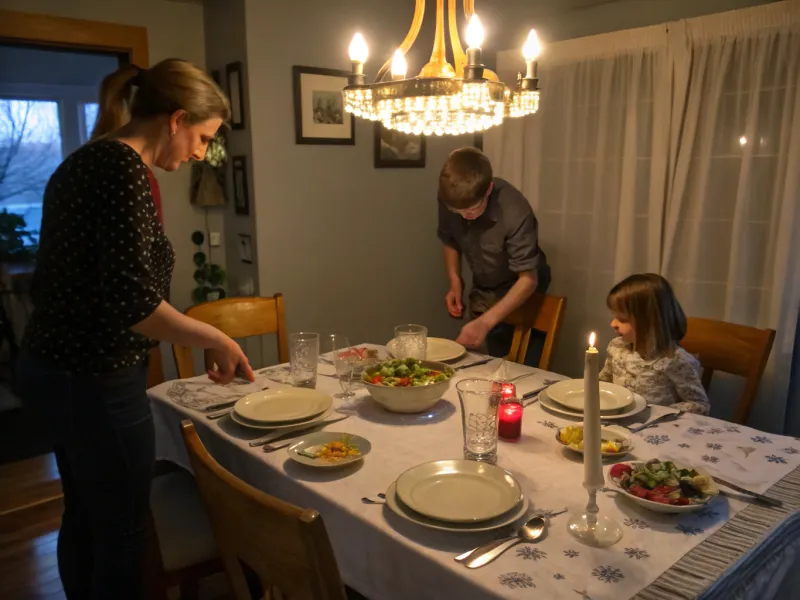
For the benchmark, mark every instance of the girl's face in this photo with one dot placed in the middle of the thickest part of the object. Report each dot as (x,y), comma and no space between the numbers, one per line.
(624,326)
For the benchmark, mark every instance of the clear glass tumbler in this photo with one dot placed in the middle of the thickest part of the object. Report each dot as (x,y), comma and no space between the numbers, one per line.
(411,341)
(344,359)
(303,358)
(479,399)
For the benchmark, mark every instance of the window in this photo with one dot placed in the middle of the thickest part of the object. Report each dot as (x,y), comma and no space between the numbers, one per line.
(89,118)
(30,150)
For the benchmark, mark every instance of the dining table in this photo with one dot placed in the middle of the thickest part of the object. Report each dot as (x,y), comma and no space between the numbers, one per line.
(385,557)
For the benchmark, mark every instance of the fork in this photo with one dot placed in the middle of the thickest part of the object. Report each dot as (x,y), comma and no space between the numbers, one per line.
(382,500)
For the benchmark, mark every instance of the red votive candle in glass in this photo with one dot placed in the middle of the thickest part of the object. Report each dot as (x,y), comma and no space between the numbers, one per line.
(509,419)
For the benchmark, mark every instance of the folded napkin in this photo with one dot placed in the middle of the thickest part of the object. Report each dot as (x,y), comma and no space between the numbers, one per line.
(201,392)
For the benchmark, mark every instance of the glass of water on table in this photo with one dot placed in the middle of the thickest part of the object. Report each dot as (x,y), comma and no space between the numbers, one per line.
(411,341)
(480,400)
(303,359)
(344,360)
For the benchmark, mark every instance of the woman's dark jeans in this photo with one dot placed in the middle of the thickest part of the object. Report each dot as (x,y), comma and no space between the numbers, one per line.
(103,436)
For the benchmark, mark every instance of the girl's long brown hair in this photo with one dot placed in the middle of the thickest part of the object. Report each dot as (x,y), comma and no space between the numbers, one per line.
(171,85)
(658,319)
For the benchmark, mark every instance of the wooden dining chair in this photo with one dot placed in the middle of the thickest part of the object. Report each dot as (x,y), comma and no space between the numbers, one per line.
(736,349)
(286,546)
(236,318)
(541,312)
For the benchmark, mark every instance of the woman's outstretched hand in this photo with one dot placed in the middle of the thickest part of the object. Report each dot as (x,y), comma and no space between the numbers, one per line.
(229,361)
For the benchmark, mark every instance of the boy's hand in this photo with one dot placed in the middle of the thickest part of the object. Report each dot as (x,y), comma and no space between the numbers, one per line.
(453,301)
(474,333)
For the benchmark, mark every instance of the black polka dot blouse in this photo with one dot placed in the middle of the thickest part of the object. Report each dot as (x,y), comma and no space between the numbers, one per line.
(104,263)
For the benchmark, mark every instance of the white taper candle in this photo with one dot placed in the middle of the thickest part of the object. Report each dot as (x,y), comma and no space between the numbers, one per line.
(592,457)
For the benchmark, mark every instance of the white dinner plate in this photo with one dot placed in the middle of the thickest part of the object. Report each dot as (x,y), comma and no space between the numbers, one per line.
(569,394)
(639,404)
(396,506)
(668,508)
(314,441)
(259,425)
(438,350)
(282,405)
(459,491)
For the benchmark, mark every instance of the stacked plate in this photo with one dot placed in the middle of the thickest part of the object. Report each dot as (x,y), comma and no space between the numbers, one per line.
(457,495)
(281,408)
(438,349)
(567,398)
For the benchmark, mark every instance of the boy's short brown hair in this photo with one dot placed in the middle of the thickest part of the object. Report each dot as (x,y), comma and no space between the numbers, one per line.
(465,178)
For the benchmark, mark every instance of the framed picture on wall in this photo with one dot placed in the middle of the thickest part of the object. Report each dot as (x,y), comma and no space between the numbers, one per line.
(319,116)
(216,77)
(398,150)
(241,202)
(246,248)
(233,74)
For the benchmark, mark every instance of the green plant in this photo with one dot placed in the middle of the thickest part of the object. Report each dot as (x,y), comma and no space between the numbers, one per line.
(209,277)
(17,244)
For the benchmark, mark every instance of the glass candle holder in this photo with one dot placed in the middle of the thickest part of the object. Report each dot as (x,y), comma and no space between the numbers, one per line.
(509,419)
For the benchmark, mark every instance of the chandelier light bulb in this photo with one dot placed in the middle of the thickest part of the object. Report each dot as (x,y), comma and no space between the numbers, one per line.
(532,47)
(475,33)
(399,65)
(358,49)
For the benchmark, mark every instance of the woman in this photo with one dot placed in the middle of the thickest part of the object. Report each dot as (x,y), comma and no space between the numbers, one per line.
(103,273)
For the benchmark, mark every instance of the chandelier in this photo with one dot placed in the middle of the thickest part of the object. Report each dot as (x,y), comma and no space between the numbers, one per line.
(443,99)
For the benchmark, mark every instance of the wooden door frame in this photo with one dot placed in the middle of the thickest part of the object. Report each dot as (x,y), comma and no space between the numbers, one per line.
(48,30)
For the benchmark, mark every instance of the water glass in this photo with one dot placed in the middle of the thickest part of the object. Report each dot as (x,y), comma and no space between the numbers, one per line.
(303,358)
(480,399)
(411,341)
(344,360)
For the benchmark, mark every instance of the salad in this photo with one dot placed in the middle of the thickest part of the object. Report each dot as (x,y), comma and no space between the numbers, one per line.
(403,372)
(664,482)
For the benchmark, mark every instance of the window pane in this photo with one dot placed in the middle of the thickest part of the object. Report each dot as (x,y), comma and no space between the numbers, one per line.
(89,118)
(30,150)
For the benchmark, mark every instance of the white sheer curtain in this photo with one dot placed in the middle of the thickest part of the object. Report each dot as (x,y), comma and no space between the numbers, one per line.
(673,149)
(732,227)
(593,164)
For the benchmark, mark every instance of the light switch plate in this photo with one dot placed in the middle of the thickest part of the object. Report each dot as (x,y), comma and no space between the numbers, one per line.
(213,239)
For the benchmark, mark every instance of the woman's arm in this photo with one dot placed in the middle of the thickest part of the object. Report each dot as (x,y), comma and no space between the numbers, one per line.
(166,324)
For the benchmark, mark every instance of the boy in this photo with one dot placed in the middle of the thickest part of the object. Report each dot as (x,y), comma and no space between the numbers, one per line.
(491,223)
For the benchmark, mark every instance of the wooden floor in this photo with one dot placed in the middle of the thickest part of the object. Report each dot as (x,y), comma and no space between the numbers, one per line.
(30,515)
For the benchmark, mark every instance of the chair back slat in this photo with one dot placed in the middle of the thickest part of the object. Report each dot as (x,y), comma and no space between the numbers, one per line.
(287,546)
(543,313)
(731,348)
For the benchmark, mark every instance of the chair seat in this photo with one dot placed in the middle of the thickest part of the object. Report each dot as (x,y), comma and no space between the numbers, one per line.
(184,532)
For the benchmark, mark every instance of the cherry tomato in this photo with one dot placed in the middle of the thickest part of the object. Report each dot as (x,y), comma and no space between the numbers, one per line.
(404,382)
(638,491)
(377,379)
(619,470)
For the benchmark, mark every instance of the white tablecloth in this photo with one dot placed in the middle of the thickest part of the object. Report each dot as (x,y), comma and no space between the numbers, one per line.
(385,557)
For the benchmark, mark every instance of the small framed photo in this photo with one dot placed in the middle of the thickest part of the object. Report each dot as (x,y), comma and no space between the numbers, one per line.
(319,115)
(216,77)
(233,74)
(241,202)
(246,248)
(398,150)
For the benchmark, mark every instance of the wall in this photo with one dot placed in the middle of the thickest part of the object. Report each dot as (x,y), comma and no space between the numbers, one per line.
(353,248)
(174,29)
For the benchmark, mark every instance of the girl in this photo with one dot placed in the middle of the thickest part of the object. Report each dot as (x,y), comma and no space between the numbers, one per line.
(102,275)
(646,358)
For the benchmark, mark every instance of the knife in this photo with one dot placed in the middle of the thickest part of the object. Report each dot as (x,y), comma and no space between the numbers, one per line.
(283,434)
(741,490)
(662,419)
(475,364)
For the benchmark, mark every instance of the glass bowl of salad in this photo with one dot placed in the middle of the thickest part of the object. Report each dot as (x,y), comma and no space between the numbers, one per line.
(664,486)
(407,385)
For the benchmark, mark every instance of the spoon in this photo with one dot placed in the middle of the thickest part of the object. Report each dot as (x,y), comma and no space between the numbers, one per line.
(529,532)
(382,500)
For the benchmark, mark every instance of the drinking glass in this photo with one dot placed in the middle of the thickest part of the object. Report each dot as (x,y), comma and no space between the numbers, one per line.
(345,361)
(479,399)
(303,358)
(411,341)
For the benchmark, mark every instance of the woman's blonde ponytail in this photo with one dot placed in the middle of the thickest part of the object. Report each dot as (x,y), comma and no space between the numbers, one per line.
(115,97)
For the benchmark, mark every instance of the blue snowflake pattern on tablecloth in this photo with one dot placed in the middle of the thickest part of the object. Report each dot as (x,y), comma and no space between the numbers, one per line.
(712,446)
(776,459)
(516,580)
(790,450)
(715,431)
(637,553)
(636,524)
(548,513)
(689,530)
(732,429)
(657,439)
(608,574)
(558,576)
(710,459)
(549,424)
(571,553)
(528,553)
(761,439)
(684,445)
(696,431)
(706,513)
